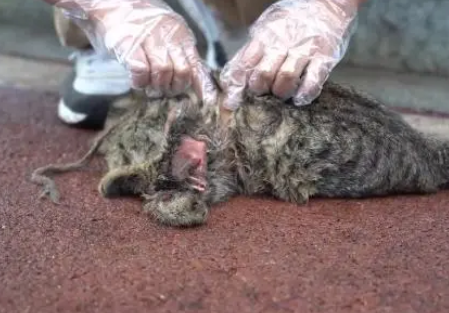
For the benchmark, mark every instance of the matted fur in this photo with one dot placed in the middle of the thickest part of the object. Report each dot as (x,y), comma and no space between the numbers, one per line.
(342,145)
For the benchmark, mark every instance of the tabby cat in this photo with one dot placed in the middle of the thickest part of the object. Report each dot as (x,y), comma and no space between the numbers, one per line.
(182,157)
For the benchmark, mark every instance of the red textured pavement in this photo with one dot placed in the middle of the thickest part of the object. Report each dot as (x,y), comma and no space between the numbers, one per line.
(255,255)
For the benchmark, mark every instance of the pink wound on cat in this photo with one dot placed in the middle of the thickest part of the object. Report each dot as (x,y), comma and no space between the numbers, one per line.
(190,162)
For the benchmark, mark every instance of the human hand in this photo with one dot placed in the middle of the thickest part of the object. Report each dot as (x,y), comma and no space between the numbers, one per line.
(293,47)
(151,40)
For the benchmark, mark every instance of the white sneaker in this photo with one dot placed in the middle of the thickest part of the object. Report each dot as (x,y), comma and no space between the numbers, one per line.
(95,83)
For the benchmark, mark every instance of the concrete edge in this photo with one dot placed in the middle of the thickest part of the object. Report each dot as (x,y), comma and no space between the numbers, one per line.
(399,89)
(29,73)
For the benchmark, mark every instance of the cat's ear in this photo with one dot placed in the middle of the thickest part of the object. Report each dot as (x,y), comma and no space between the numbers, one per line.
(124,181)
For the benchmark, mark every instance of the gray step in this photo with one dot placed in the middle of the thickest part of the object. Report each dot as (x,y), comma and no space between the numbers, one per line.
(396,89)
(403,35)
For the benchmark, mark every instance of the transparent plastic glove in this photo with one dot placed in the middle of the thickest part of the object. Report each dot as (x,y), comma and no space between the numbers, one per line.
(293,47)
(151,40)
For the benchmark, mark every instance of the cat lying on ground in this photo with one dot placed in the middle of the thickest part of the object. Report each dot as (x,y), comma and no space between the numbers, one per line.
(182,157)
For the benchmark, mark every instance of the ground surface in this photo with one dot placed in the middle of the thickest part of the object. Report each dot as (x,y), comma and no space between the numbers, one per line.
(255,255)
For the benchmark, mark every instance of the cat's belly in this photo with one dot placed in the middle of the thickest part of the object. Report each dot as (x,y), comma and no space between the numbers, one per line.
(356,151)
(294,168)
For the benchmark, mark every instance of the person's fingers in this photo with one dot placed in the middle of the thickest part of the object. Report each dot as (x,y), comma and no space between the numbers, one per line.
(202,81)
(161,73)
(235,74)
(312,82)
(134,59)
(182,72)
(264,73)
(288,77)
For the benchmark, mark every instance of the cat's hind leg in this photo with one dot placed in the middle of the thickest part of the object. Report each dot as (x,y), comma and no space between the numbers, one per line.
(442,160)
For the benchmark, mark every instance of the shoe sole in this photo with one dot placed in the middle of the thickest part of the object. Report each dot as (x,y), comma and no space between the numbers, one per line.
(84,111)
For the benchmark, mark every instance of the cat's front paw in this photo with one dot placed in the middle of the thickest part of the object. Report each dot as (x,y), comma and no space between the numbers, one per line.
(123,181)
(180,209)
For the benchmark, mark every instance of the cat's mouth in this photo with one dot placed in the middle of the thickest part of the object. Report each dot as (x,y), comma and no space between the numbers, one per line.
(189,163)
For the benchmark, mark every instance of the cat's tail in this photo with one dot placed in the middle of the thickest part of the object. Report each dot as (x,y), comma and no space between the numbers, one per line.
(442,158)
(41,176)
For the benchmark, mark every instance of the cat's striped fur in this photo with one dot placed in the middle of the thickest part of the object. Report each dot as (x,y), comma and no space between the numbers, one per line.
(342,145)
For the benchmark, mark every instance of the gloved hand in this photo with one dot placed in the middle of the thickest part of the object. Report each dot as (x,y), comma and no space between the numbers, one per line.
(151,40)
(293,47)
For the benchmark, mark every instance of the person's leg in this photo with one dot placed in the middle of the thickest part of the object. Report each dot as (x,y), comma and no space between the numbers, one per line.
(201,21)
(94,83)
(97,82)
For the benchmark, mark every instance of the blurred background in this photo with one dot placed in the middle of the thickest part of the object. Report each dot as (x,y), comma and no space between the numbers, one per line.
(399,54)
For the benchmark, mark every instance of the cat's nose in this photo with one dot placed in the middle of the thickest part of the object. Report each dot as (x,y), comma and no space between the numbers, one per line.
(194,151)
(196,160)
